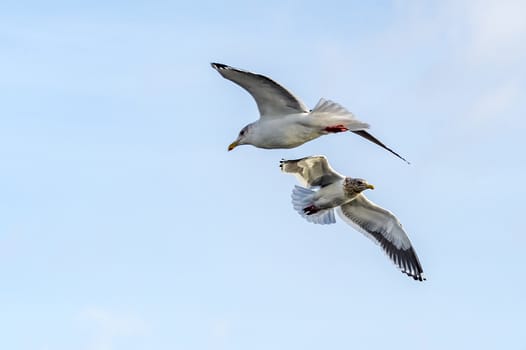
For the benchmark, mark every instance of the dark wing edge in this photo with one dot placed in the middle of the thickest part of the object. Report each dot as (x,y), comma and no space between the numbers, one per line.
(252,81)
(405,259)
(366,135)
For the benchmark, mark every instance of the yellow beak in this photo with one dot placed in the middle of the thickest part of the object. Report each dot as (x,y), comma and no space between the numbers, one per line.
(369,186)
(232,145)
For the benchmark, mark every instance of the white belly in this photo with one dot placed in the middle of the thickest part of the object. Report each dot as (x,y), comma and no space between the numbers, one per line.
(330,196)
(285,132)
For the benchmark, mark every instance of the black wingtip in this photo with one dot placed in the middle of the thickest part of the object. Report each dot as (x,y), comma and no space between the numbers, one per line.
(418,277)
(368,136)
(218,65)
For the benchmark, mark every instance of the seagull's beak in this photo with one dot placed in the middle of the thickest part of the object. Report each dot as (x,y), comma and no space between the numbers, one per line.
(369,186)
(233,145)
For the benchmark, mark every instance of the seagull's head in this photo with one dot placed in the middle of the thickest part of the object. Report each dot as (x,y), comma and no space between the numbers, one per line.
(244,137)
(357,185)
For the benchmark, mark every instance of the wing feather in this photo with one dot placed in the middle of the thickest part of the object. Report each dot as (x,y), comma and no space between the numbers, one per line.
(311,171)
(271,98)
(383,228)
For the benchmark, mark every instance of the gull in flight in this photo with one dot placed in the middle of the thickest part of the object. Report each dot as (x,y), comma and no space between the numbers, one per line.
(285,122)
(327,191)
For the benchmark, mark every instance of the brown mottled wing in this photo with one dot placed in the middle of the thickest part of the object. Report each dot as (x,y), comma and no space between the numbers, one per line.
(311,171)
(272,99)
(383,228)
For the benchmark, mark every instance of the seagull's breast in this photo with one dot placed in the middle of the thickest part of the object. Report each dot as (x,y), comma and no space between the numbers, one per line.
(286,131)
(330,196)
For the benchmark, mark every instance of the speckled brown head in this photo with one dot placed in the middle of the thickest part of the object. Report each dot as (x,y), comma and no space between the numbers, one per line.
(352,187)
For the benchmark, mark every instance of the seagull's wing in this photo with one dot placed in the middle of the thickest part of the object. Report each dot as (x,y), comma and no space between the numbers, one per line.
(381,226)
(311,171)
(366,135)
(272,99)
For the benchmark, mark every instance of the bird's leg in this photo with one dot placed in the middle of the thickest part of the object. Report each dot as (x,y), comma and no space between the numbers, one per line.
(336,128)
(311,209)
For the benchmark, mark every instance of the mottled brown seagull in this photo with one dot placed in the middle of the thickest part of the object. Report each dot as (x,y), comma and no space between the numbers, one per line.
(328,191)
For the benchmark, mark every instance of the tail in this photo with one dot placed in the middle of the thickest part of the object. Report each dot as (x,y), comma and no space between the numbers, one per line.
(302,198)
(337,114)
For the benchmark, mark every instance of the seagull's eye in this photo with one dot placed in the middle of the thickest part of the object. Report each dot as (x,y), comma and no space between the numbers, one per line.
(242,133)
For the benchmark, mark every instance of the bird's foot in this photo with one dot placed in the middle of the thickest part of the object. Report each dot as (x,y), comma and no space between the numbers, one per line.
(336,128)
(311,209)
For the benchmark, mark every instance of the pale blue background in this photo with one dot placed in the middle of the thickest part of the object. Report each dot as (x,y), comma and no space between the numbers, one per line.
(125,224)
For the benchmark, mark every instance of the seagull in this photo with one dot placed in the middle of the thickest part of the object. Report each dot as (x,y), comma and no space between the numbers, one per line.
(285,122)
(327,191)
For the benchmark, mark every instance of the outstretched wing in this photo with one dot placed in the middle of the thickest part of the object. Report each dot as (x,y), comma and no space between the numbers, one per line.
(311,171)
(367,135)
(272,99)
(381,226)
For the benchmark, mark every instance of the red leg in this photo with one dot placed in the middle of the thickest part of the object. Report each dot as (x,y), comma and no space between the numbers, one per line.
(336,128)
(311,209)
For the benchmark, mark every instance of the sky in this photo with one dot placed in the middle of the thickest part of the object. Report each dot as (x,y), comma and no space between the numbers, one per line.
(126,224)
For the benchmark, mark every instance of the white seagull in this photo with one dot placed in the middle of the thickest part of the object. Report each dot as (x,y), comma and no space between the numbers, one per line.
(328,190)
(285,122)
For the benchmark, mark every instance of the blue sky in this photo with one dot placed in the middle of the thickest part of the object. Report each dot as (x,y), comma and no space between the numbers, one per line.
(127,225)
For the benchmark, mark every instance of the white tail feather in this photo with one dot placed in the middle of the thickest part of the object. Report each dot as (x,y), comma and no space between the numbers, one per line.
(328,106)
(302,198)
(337,114)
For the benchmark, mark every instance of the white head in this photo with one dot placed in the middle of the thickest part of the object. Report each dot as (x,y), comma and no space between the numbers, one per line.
(245,137)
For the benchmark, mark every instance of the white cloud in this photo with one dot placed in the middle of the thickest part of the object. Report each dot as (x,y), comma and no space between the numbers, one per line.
(109,326)
(495,104)
(220,329)
(497,30)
